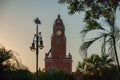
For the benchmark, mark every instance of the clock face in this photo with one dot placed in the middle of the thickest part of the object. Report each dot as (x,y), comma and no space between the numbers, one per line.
(59,33)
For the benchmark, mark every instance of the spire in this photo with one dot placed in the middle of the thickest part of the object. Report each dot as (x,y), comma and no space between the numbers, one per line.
(58,16)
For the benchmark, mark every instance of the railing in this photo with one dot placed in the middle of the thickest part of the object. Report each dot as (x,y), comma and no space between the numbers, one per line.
(67,56)
(48,57)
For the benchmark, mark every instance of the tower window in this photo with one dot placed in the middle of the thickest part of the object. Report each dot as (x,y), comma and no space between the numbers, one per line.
(65,69)
(52,68)
(58,41)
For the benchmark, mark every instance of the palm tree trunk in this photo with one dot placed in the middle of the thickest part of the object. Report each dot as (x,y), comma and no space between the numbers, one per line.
(114,40)
(114,44)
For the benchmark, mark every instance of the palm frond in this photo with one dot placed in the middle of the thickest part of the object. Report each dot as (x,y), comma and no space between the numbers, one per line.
(8,59)
(103,49)
(81,66)
(106,60)
(116,33)
(111,47)
(84,32)
(84,47)
(105,41)
(91,26)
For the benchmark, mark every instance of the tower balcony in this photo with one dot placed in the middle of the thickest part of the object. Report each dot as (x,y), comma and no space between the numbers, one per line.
(48,57)
(67,57)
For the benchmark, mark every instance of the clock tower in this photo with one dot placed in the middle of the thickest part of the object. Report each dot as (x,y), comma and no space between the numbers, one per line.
(56,58)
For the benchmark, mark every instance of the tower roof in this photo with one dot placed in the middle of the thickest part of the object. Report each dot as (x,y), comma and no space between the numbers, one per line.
(59,21)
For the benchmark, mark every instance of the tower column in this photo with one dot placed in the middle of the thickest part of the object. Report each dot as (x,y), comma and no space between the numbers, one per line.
(58,59)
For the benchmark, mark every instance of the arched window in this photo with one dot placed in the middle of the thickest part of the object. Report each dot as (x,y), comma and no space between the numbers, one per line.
(52,68)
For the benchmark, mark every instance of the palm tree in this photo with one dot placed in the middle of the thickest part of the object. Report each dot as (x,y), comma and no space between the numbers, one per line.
(11,68)
(106,61)
(109,39)
(7,59)
(98,68)
(95,62)
(100,15)
(101,18)
(89,64)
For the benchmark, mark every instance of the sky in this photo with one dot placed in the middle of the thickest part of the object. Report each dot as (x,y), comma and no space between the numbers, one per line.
(17,28)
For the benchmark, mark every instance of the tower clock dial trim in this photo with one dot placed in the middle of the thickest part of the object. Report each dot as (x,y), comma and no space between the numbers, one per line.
(58,33)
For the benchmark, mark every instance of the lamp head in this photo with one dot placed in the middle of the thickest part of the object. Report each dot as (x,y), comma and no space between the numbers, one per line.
(41,44)
(33,47)
(37,21)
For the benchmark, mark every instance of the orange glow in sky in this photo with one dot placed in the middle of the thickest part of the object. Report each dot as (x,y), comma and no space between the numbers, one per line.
(17,28)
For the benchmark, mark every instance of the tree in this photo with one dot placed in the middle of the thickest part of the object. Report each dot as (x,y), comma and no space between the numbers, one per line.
(55,75)
(11,68)
(7,61)
(19,74)
(98,68)
(99,16)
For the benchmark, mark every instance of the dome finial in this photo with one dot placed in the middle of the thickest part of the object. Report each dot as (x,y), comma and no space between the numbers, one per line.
(58,16)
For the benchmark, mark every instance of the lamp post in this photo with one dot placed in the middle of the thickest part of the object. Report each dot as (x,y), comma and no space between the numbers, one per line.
(36,44)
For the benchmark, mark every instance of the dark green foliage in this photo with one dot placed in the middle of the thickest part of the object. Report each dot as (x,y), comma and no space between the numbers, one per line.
(18,75)
(12,71)
(95,7)
(108,74)
(59,75)
(94,10)
(55,75)
(5,57)
(99,14)
(98,68)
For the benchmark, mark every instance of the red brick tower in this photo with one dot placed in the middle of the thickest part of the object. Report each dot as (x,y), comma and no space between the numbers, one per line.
(58,60)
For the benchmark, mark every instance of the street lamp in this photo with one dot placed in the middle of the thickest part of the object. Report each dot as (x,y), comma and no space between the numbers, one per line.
(36,44)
